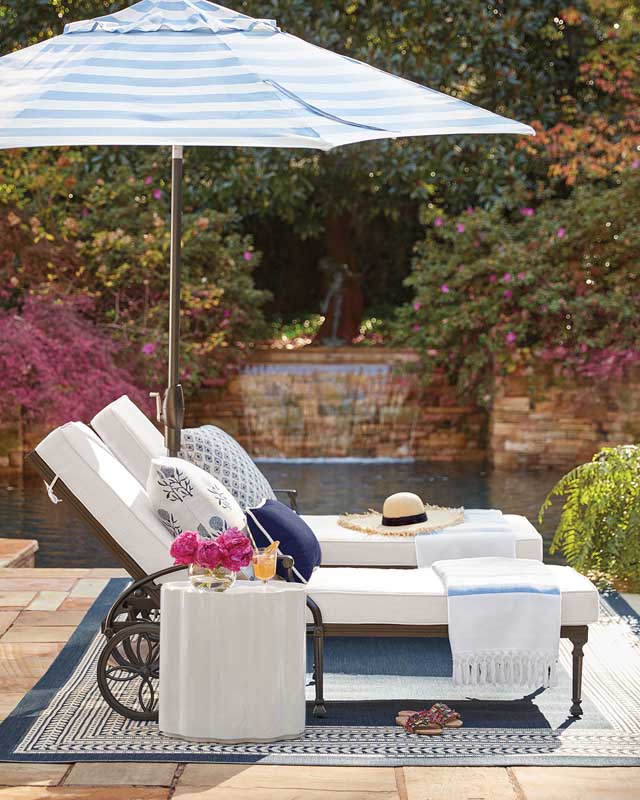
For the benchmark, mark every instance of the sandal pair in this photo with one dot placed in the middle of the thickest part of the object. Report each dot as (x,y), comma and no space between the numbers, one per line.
(431,721)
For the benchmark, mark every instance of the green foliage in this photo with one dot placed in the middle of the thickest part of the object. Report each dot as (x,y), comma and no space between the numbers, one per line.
(108,239)
(495,294)
(599,528)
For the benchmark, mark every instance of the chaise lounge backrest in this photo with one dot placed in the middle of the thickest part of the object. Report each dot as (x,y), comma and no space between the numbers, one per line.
(109,492)
(135,440)
(130,435)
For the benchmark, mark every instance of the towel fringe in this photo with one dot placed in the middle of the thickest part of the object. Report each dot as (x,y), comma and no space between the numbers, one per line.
(506,668)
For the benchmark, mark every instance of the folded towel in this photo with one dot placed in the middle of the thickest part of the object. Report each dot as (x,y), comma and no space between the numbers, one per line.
(484,532)
(504,621)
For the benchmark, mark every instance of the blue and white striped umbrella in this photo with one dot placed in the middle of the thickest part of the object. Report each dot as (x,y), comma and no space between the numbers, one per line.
(190,72)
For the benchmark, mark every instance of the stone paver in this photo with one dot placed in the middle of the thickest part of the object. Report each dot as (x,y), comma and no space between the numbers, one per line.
(34,584)
(223,793)
(459,783)
(47,601)
(88,773)
(83,793)
(8,701)
(27,659)
(36,619)
(52,633)
(579,783)
(337,779)
(7,618)
(32,774)
(77,603)
(89,587)
(11,599)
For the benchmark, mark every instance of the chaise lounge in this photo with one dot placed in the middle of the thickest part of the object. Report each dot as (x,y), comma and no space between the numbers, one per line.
(342,601)
(135,441)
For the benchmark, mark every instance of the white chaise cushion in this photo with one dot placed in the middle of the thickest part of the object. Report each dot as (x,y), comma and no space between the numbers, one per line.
(417,596)
(185,498)
(130,435)
(343,546)
(109,492)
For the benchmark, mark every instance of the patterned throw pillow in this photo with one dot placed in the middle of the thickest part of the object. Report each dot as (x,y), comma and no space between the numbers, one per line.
(187,499)
(221,456)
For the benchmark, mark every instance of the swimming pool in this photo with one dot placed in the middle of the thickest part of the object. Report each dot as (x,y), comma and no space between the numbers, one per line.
(324,487)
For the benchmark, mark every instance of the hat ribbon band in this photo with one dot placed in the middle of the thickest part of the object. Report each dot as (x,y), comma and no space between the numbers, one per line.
(394,522)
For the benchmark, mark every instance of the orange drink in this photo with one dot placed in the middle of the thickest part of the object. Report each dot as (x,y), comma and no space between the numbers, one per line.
(264,562)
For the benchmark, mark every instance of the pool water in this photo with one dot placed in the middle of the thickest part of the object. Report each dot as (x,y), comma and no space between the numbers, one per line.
(324,488)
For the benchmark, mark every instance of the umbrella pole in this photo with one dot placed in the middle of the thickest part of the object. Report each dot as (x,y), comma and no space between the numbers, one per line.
(173,406)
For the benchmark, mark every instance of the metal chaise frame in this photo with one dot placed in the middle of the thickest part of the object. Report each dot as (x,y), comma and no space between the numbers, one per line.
(132,625)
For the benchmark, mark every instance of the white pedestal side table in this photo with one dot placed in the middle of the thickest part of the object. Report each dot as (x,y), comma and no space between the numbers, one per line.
(232,664)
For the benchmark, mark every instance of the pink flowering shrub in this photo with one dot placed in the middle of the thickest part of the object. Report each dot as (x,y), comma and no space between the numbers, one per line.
(560,286)
(56,365)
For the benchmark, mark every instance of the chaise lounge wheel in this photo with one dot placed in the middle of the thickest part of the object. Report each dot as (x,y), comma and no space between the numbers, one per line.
(128,671)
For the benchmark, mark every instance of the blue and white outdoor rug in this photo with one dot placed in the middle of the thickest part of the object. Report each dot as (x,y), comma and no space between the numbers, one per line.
(63,718)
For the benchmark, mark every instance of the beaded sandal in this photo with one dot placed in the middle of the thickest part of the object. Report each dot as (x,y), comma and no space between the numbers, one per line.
(445,714)
(424,723)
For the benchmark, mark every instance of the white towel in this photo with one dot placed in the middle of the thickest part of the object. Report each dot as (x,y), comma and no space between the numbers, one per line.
(504,621)
(484,532)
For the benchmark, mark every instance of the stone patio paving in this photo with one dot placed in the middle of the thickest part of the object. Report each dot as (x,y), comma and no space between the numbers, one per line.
(39,610)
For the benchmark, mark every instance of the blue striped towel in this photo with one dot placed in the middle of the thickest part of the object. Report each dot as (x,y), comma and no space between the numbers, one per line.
(504,621)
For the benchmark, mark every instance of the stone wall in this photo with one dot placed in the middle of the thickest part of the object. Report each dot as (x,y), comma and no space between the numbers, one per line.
(543,422)
(364,402)
(343,402)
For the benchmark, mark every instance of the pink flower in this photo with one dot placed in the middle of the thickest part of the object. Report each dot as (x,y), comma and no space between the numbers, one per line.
(247,255)
(444,289)
(470,209)
(148,180)
(209,554)
(527,211)
(493,278)
(506,277)
(149,348)
(438,222)
(460,227)
(415,328)
(235,549)
(157,193)
(511,338)
(507,294)
(226,313)
(184,548)
(561,233)
(635,163)
(417,305)
(522,276)
(583,348)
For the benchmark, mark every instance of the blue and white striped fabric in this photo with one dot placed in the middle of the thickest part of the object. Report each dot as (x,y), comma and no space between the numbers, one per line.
(504,621)
(191,72)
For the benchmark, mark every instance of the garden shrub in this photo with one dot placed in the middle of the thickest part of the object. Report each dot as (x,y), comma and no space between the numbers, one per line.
(599,528)
(559,284)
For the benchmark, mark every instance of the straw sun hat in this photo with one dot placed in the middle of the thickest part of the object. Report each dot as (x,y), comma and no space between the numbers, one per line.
(403,514)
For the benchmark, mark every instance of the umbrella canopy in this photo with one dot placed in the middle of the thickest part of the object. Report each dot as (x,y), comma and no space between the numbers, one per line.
(190,72)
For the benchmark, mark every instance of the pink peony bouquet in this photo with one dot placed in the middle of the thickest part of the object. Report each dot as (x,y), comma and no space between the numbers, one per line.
(231,550)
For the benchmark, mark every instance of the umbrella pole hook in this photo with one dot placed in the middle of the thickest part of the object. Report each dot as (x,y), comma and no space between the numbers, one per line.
(173,404)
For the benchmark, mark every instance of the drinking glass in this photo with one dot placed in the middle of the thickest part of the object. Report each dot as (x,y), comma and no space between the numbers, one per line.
(264,564)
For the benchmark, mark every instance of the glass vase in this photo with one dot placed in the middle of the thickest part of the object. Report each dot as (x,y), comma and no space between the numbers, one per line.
(204,579)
